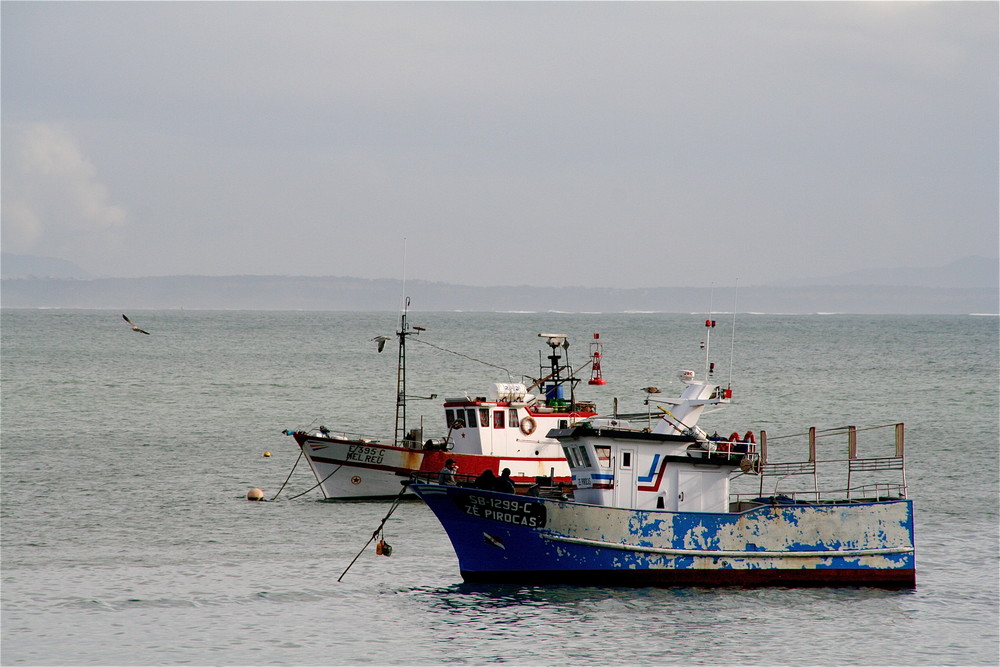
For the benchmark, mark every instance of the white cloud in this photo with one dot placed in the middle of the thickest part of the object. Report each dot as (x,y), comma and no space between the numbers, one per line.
(53,202)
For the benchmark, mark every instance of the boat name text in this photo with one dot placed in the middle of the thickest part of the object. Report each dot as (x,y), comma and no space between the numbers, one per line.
(362,454)
(506,510)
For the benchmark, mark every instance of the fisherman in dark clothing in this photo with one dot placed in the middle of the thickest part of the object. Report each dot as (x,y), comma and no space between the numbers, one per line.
(487,480)
(504,483)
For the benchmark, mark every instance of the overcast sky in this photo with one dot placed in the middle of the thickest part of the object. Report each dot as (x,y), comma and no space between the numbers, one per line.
(597,144)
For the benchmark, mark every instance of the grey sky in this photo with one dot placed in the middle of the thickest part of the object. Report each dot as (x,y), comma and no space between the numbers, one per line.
(598,144)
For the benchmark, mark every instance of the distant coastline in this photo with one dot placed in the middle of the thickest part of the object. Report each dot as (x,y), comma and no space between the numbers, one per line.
(356,294)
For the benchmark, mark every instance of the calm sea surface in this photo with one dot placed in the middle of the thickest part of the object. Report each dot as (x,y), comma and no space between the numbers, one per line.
(126,538)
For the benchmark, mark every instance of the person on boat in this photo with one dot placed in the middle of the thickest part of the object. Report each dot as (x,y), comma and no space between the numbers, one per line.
(487,480)
(504,483)
(447,474)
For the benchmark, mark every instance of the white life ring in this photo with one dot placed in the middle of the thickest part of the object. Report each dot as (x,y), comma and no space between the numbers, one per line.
(527,426)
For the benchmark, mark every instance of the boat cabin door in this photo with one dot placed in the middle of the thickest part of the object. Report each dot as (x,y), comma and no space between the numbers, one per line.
(625,491)
(704,490)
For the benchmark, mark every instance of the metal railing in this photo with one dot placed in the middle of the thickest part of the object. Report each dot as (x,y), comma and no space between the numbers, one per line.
(861,485)
(445,443)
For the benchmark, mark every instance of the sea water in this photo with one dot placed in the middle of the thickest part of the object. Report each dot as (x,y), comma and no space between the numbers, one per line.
(126,459)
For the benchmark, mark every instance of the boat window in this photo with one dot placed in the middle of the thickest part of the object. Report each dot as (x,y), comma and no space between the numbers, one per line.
(484,417)
(569,457)
(584,456)
(471,417)
(576,457)
(513,418)
(498,419)
(626,459)
(603,455)
(449,416)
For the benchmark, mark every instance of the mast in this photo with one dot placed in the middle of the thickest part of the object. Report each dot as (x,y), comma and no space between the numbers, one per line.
(552,384)
(709,325)
(400,433)
(403,332)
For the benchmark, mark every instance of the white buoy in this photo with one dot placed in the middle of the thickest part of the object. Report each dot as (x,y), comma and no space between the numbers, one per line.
(255,494)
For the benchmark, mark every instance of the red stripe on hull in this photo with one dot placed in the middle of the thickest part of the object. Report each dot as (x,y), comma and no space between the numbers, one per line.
(894,579)
(470,465)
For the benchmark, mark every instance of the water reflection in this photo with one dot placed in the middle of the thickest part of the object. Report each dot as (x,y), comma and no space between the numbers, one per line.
(499,596)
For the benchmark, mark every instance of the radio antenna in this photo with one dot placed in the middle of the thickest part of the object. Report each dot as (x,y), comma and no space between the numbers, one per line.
(709,325)
(732,349)
(402,293)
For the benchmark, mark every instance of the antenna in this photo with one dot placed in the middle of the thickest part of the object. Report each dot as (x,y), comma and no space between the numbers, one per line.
(404,331)
(402,293)
(732,349)
(709,325)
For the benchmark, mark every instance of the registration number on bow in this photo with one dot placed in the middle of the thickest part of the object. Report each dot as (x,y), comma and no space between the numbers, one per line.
(362,454)
(505,510)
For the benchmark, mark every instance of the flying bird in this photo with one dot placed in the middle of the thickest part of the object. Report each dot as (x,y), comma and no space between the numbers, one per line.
(381,342)
(132,324)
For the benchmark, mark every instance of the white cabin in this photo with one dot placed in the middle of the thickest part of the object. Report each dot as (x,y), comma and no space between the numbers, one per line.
(667,463)
(512,424)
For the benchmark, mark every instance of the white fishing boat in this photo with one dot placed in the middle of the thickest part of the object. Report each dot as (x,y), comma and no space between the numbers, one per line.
(506,427)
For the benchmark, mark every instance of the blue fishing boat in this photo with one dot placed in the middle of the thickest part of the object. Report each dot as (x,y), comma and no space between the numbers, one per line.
(652,505)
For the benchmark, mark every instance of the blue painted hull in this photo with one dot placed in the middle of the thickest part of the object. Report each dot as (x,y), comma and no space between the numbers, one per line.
(502,538)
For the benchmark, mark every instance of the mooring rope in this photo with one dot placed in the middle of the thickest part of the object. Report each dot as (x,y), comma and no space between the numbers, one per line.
(317,484)
(378,531)
(289,476)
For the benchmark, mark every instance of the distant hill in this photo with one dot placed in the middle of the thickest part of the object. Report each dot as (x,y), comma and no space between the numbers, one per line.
(336,293)
(968,272)
(22,266)
(969,285)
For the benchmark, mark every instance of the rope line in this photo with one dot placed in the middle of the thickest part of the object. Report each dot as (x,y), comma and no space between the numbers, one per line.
(378,531)
(317,484)
(459,354)
(288,478)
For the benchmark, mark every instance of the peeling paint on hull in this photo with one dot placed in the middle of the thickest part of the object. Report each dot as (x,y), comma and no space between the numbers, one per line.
(537,540)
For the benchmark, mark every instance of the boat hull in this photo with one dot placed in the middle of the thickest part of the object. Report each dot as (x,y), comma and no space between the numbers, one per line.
(358,470)
(500,538)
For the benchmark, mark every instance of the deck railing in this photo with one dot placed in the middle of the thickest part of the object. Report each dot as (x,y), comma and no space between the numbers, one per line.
(865,477)
(413,440)
(339,434)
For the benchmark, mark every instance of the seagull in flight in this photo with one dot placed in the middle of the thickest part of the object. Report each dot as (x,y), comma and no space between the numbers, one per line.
(132,324)
(381,341)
